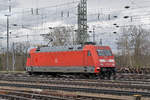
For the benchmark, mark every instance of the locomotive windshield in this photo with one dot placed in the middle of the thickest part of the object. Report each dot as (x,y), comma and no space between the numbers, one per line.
(102,52)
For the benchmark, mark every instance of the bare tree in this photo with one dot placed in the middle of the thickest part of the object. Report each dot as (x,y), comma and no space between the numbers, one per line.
(20,51)
(134,44)
(60,36)
(124,46)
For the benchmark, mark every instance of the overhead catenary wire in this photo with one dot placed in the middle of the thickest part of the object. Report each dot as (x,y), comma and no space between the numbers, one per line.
(65,16)
(28,10)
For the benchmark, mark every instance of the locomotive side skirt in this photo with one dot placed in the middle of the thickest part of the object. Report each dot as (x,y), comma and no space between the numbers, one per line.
(74,69)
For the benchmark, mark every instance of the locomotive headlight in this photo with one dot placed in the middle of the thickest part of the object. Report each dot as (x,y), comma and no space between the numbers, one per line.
(111,60)
(102,60)
(97,68)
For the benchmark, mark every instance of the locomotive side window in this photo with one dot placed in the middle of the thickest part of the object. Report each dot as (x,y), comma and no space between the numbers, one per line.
(89,53)
(103,52)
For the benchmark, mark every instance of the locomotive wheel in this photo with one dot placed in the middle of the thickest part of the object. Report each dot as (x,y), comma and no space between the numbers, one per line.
(109,74)
(113,75)
(102,75)
(106,75)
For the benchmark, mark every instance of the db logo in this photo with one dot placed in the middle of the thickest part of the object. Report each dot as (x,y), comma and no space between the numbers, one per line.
(56,60)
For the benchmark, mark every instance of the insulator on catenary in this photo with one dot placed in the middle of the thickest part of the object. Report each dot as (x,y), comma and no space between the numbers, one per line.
(68,14)
(109,17)
(131,19)
(37,11)
(32,11)
(98,16)
(62,13)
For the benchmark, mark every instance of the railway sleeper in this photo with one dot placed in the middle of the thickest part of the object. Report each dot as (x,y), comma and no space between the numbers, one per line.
(13,97)
(133,86)
(18,95)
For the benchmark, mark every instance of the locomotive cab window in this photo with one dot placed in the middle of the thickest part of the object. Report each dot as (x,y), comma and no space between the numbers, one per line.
(102,52)
(89,53)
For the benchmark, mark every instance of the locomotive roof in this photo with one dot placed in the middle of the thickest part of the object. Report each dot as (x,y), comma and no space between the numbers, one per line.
(67,48)
(59,48)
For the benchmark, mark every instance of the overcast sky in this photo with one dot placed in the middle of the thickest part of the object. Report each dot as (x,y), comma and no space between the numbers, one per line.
(50,16)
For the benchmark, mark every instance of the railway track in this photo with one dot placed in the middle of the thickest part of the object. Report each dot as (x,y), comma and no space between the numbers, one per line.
(87,86)
(77,87)
(72,89)
(104,84)
(24,94)
(141,85)
(120,77)
(49,79)
(20,95)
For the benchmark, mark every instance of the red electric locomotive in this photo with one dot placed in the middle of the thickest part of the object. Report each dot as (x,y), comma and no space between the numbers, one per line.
(88,59)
